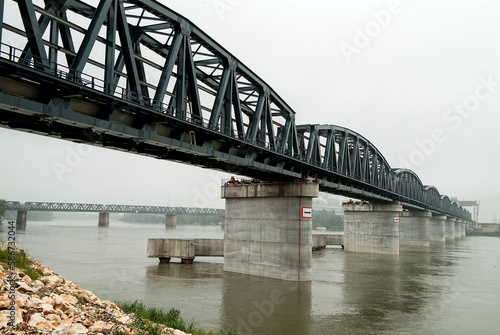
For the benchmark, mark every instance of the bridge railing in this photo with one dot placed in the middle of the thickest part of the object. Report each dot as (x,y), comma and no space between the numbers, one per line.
(88,81)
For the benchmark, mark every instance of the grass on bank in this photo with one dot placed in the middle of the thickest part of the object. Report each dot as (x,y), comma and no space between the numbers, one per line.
(23,262)
(146,320)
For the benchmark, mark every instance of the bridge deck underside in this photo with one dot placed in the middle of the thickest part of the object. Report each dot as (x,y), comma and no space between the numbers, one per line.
(135,76)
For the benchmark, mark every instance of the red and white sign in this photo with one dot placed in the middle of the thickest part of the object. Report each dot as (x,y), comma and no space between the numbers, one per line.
(395,219)
(307,212)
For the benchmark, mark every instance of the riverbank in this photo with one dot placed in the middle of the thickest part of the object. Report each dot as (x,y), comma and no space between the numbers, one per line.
(36,300)
(494,233)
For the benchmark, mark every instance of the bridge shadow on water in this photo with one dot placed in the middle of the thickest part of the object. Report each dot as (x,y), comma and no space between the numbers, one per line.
(248,304)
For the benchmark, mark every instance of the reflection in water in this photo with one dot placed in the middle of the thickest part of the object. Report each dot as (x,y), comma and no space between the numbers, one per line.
(444,289)
(256,305)
(372,289)
(184,271)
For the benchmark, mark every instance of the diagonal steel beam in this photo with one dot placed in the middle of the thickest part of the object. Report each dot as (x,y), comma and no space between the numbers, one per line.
(33,32)
(166,73)
(128,53)
(91,35)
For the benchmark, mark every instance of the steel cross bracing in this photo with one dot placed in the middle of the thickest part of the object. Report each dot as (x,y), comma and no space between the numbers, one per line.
(134,75)
(98,208)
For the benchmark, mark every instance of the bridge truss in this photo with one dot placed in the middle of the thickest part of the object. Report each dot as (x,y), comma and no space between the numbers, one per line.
(135,76)
(98,208)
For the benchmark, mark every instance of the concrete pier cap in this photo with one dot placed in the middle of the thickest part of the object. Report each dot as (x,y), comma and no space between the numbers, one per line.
(268,228)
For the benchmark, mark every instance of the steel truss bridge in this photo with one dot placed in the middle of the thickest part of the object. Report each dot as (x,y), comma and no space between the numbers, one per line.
(135,76)
(99,208)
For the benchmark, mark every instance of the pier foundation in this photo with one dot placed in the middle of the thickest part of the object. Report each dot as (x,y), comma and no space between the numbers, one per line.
(450,228)
(269,229)
(414,228)
(103,219)
(437,228)
(171,221)
(21,220)
(372,228)
(458,229)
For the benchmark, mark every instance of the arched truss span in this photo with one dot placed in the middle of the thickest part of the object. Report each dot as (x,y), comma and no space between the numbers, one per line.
(134,75)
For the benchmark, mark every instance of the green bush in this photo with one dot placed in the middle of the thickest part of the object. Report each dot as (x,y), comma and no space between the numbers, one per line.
(23,262)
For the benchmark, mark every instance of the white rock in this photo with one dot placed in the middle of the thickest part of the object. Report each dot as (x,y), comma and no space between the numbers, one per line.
(5,317)
(27,280)
(35,319)
(102,325)
(37,284)
(46,307)
(53,317)
(23,287)
(4,301)
(57,300)
(78,328)
(124,319)
(69,299)
(63,328)
(48,300)
(52,281)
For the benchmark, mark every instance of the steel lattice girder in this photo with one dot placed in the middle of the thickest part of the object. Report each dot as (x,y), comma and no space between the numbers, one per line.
(162,87)
(97,208)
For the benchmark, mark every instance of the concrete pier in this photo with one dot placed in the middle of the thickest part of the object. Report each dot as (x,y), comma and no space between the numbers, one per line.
(450,229)
(372,228)
(464,228)
(21,220)
(414,228)
(458,229)
(269,229)
(437,228)
(103,219)
(171,221)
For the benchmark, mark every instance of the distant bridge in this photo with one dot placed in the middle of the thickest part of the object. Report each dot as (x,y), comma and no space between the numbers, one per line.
(99,208)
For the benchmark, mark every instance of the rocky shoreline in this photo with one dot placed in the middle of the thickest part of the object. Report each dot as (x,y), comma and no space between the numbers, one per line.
(54,305)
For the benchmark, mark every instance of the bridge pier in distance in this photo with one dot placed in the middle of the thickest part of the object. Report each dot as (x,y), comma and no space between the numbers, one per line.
(223,223)
(450,228)
(372,228)
(414,228)
(171,221)
(437,228)
(464,228)
(458,229)
(269,229)
(21,219)
(103,219)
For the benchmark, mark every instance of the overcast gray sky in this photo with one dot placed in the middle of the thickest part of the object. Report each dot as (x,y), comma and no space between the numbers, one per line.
(419,79)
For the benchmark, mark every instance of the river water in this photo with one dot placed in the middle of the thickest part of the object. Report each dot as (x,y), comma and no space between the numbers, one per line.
(443,289)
